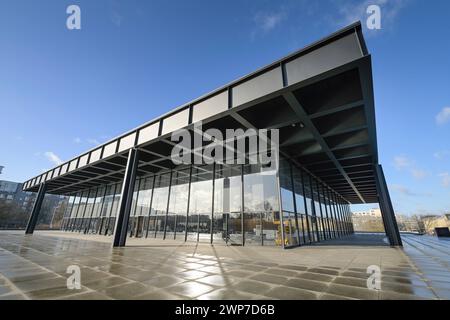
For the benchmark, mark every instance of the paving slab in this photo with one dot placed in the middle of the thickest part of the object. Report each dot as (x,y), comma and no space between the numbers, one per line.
(35,267)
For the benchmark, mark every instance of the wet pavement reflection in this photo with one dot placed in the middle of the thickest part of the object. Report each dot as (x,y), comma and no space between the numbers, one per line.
(34,267)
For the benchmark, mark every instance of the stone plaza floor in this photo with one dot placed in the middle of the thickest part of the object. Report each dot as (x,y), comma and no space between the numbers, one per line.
(34,267)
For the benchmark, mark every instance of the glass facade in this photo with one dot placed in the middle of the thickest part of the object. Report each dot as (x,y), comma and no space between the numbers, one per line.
(217,203)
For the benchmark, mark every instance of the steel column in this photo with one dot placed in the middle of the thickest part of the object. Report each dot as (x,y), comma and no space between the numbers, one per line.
(126,199)
(387,210)
(36,209)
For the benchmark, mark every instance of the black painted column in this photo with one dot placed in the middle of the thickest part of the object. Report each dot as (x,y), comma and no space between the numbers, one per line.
(36,209)
(387,210)
(126,199)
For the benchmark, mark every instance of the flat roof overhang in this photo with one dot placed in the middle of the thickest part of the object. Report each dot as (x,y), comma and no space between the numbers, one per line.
(320,98)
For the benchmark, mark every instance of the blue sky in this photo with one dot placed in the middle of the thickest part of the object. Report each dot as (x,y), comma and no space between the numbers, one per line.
(62,91)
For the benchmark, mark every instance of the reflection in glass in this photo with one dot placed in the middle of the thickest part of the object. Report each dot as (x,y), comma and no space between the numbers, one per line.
(93,225)
(88,211)
(176,217)
(81,210)
(67,213)
(200,204)
(300,205)
(288,206)
(159,205)
(227,204)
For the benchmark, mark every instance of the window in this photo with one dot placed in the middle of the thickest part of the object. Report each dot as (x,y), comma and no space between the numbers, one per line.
(200,204)
(227,204)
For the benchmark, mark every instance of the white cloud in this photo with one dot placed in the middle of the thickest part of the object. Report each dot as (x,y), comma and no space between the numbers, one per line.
(116,18)
(53,158)
(445,176)
(443,116)
(441,155)
(418,173)
(407,192)
(267,21)
(401,189)
(401,162)
(404,163)
(77,140)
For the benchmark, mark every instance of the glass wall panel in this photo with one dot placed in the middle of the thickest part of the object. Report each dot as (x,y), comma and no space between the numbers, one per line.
(310,207)
(106,209)
(332,215)
(114,209)
(81,210)
(73,214)
(67,213)
(318,209)
(324,206)
(336,216)
(287,200)
(176,218)
(159,205)
(227,204)
(132,221)
(94,222)
(146,205)
(300,205)
(200,204)
(254,204)
(88,211)
(142,206)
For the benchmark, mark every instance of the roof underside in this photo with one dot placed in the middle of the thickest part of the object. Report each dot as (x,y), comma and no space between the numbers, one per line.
(320,98)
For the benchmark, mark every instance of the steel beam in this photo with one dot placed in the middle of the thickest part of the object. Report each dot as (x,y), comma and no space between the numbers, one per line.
(301,114)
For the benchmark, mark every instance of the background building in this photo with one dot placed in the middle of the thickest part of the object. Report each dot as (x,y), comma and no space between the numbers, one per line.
(429,222)
(368,221)
(16,205)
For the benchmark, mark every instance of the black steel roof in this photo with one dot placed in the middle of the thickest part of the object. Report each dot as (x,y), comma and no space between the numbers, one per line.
(320,98)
